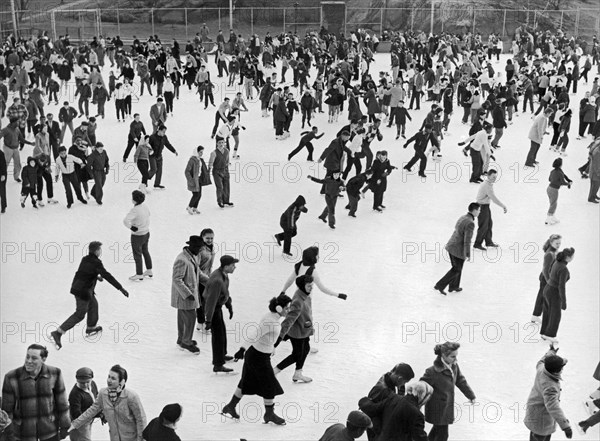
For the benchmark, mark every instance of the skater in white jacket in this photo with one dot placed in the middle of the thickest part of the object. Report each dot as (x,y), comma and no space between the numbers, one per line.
(138,221)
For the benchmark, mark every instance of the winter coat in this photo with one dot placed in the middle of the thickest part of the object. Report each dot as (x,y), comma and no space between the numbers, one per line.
(380,172)
(370,101)
(85,279)
(536,133)
(439,410)
(290,216)
(196,174)
(354,111)
(29,175)
(216,293)
(459,244)
(206,257)
(81,400)
(298,321)
(333,154)
(331,187)
(32,404)
(401,419)
(184,282)
(66,115)
(594,156)
(97,162)
(158,114)
(543,404)
(589,113)
(126,417)
(281,111)
(139,217)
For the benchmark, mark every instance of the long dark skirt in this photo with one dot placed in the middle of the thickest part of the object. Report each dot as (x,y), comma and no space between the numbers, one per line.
(257,375)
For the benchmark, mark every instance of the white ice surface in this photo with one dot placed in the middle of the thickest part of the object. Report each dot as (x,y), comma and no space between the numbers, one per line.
(387,263)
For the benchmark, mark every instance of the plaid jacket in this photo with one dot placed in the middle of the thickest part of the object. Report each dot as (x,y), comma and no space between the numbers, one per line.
(39,407)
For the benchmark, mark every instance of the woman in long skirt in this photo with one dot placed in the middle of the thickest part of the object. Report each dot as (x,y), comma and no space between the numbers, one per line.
(258,377)
(550,249)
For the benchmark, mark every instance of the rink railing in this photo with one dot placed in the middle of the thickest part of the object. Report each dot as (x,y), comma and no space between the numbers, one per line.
(183,23)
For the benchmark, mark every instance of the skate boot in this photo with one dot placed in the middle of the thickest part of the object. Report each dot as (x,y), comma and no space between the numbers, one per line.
(271,417)
(90,332)
(56,339)
(148,273)
(298,377)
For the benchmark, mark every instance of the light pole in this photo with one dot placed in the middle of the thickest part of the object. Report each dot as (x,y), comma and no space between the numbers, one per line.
(14,18)
(431,19)
(296,17)
(230,14)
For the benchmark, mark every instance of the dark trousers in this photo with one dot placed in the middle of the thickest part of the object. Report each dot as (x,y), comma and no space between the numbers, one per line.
(528,98)
(83,307)
(378,196)
(139,246)
(534,437)
(218,337)
(419,155)
(221,180)
(143,166)
(101,108)
(200,311)
(45,176)
(306,116)
(169,101)
(484,226)
(539,300)
(185,326)
(145,81)
(84,107)
(130,143)
(353,202)
(286,237)
(156,166)
(477,165)
(329,210)
(352,161)
(279,125)
(531,156)
(551,312)
(555,133)
(367,153)
(3,194)
(218,119)
(97,190)
(594,187)
(70,180)
(438,433)
(120,108)
(308,146)
(300,350)
(452,277)
(415,96)
(196,196)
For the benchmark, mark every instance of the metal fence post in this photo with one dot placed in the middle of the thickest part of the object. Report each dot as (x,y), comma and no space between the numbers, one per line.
(474,14)
(219,10)
(186,22)
(152,19)
(98,23)
(412,19)
(381,22)
(504,25)
(561,19)
(252,21)
(118,20)
(577,22)
(345,19)
(53,22)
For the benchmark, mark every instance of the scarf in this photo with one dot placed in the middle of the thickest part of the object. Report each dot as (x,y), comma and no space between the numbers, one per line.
(114,394)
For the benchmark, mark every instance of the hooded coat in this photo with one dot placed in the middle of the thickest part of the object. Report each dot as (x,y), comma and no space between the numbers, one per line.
(299,322)
(290,216)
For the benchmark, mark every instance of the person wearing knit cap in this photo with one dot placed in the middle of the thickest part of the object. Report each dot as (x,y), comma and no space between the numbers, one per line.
(356,424)
(163,427)
(390,383)
(543,405)
(288,221)
(258,377)
(400,415)
(81,397)
(298,327)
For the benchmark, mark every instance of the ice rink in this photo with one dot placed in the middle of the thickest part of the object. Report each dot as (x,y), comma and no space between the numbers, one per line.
(387,263)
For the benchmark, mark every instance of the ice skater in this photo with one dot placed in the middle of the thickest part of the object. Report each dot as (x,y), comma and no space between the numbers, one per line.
(332,186)
(258,377)
(305,141)
(550,249)
(459,249)
(288,221)
(138,221)
(557,179)
(485,195)
(90,271)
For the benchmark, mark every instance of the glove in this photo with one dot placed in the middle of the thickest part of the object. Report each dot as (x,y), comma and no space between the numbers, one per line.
(239,355)
(405,146)
(230,309)
(342,296)
(207,326)
(100,279)
(124,291)
(568,432)
(134,229)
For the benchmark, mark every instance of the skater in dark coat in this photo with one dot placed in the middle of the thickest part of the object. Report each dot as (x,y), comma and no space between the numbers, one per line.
(90,271)
(29,178)
(353,189)
(162,428)
(421,139)
(550,249)
(459,249)
(555,295)
(98,166)
(3,175)
(443,376)
(258,377)
(355,427)
(391,383)
(333,155)
(378,182)
(216,296)
(81,397)
(401,419)
(288,222)
(332,186)
(305,141)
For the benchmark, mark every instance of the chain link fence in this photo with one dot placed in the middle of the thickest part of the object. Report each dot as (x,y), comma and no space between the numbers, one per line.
(183,23)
